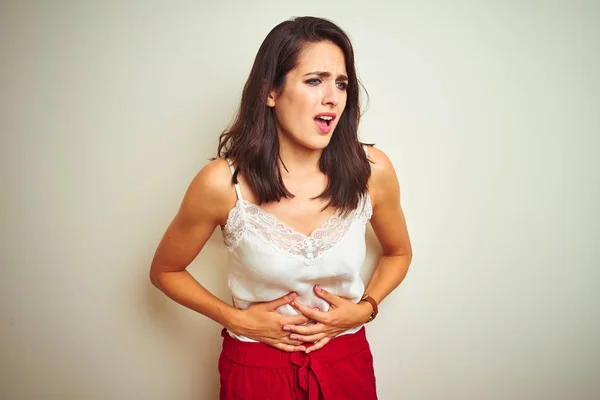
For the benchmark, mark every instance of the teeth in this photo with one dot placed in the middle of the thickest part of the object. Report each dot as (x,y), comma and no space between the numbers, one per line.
(325,117)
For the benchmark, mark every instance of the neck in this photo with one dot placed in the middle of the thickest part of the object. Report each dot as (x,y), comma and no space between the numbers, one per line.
(297,160)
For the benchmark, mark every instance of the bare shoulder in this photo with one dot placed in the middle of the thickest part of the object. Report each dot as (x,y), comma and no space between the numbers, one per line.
(204,206)
(211,193)
(383,183)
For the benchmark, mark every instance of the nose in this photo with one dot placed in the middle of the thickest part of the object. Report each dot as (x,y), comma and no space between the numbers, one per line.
(331,95)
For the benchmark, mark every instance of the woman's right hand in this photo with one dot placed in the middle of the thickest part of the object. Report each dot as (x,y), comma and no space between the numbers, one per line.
(261,322)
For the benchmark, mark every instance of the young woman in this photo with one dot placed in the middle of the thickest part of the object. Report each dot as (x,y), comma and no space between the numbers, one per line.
(292,190)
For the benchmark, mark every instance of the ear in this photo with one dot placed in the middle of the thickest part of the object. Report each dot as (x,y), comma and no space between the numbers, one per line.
(270,102)
(270,97)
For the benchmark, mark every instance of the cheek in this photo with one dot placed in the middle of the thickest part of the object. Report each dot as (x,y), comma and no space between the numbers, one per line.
(297,108)
(303,101)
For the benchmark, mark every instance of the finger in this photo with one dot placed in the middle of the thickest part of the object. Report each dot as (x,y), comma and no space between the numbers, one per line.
(311,329)
(309,338)
(294,320)
(312,321)
(316,315)
(275,304)
(297,319)
(285,339)
(293,342)
(327,296)
(289,348)
(318,345)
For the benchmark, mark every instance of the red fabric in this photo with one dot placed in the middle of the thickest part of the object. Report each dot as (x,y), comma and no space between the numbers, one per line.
(341,370)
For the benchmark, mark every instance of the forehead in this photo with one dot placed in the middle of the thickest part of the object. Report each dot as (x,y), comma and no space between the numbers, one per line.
(321,56)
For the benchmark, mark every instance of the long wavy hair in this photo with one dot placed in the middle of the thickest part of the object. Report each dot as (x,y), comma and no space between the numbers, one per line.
(252,142)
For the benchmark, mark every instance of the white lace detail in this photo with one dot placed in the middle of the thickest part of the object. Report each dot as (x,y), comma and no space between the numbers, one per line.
(367,211)
(246,215)
(234,228)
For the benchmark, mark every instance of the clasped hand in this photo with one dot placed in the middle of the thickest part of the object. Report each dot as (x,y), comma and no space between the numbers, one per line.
(262,323)
(343,314)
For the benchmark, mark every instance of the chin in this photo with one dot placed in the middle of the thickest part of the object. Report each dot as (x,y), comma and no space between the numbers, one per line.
(314,141)
(318,143)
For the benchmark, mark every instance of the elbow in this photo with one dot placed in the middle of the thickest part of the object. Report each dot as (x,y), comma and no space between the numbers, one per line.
(154,280)
(408,255)
(154,276)
(404,253)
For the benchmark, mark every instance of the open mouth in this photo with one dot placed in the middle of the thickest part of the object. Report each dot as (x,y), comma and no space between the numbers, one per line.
(324,121)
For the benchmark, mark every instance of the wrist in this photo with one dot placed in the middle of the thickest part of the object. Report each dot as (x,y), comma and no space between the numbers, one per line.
(366,311)
(373,305)
(234,319)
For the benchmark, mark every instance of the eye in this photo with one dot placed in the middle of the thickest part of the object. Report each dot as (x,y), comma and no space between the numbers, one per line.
(342,85)
(313,81)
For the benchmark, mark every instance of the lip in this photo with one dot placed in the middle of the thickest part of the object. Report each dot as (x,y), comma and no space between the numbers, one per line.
(325,129)
(327,114)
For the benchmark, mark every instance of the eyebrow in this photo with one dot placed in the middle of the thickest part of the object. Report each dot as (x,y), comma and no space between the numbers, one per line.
(325,74)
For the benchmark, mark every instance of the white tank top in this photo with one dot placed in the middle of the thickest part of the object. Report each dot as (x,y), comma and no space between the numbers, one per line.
(268,259)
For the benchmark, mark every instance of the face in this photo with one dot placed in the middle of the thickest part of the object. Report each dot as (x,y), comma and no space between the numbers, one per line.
(310,105)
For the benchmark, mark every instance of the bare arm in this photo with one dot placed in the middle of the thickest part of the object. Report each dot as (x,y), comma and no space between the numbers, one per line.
(206,205)
(389,225)
(203,208)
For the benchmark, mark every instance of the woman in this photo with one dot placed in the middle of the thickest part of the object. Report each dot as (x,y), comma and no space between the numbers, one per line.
(292,191)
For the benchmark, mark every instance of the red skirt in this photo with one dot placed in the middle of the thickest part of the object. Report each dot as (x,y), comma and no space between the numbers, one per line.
(341,370)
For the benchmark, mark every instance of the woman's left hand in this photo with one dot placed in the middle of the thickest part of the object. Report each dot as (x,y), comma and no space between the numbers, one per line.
(342,315)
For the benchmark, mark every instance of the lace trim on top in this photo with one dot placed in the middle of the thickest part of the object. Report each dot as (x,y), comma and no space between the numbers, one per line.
(246,215)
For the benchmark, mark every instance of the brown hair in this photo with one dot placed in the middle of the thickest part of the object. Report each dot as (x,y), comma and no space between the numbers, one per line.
(252,140)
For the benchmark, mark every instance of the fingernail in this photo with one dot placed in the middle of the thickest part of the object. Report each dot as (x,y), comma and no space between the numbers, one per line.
(318,288)
(292,336)
(292,295)
(302,348)
(286,328)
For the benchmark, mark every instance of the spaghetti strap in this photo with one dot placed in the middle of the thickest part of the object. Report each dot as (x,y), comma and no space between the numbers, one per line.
(366,149)
(238,192)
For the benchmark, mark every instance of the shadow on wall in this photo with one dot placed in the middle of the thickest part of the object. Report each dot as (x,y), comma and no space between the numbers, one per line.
(194,338)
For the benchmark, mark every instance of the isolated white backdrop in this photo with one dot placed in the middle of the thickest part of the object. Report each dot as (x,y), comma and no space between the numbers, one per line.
(489,111)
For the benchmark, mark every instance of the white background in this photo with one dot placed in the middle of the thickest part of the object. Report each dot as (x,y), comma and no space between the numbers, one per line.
(490,112)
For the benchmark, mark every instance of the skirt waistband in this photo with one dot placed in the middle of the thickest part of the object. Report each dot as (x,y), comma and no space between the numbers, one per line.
(313,370)
(260,355)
